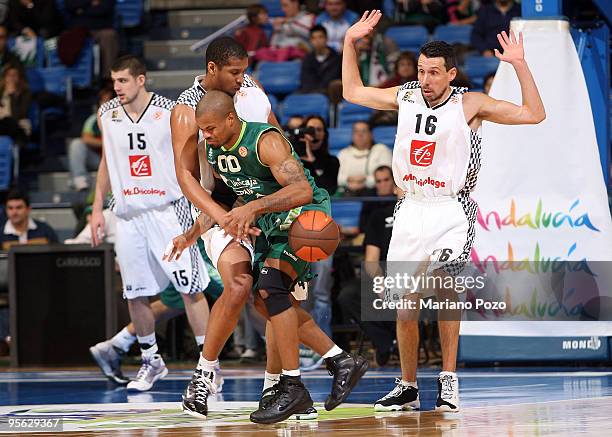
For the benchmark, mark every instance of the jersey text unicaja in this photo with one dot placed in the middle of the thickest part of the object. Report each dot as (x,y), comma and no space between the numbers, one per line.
(139,156)
(436,153)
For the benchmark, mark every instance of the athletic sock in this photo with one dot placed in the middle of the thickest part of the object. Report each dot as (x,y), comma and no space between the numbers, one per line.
(410,384)
(295,372)
(148,345)
(207,366)
(270,379)
(200,340)
(335,350)
(123,340)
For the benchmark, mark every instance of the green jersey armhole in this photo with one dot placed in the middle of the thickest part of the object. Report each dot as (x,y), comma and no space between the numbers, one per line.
(271,128)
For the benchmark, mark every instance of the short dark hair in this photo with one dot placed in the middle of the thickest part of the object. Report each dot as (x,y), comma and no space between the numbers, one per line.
(132,63)
(17,194)
(440,49)
(318,28)
(253,11)
(325,144)
(221,50)
(383,168)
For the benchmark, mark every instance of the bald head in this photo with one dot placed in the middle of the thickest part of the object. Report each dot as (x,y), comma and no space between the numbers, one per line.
(215,102)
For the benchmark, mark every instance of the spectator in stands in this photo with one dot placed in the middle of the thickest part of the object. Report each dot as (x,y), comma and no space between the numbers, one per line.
(359,160)
(98,17)
(84,152)
(360,6)
(294,122)
(461,11)
(405,70)
(427,13)
(385,187)
(6,55)
(322,165)
(376,244)
(493,19)
(461,79)
(253,36)
(336,19)
(377,55)
(293,29)
(34,18)
(19,227)
(488,81)
(15,99)
(110,228)
(322,68)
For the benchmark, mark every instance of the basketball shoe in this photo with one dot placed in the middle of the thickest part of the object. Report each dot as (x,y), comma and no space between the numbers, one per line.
(448,392)
(402,397)
(108,358)
(195,396)
(290,398)
(347,370)
(152,369)
(267,397)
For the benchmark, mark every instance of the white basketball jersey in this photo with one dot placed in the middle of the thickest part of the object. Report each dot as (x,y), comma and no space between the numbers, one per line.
(251,104)
(436,153)
(139,156)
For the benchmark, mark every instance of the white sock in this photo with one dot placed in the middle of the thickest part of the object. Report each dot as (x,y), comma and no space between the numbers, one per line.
(148,344)
(295,372)
(335,350)
(270,379)
(123,340)
(207,366)
(200,340)
(453,374)
(410,384)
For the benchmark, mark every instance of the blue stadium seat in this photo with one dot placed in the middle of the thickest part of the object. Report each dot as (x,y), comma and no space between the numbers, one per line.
(305,104)
(40,51)
(346,213)
(274,103)
(339,138)
(408,37)
(453,33)
(52,79)
(82,71)
(279,77)
(477,67)
(129,12)
(385,135)
(349,113)
(273,7)
(6,162)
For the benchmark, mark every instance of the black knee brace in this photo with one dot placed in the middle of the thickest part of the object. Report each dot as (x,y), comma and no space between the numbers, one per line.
(276,284)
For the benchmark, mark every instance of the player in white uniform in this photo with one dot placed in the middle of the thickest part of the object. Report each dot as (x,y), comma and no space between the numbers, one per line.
(149,206)
(436,159)
(226,61)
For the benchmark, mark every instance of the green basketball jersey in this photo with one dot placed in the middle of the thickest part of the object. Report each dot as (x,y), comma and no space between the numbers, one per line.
(241,170)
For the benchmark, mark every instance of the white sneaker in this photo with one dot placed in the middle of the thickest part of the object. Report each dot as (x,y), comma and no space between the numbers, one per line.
(249,354)
(448,392)
(218,379)
(152,369)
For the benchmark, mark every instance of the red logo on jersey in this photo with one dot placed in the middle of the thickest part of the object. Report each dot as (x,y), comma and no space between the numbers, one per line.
(422,153)
(157,115)
(140,166)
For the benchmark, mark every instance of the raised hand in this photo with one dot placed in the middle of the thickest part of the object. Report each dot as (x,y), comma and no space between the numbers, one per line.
(364,26)
(513,48)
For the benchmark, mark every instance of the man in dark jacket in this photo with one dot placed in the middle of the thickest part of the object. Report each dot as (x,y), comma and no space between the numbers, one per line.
(322,66)
(493,19)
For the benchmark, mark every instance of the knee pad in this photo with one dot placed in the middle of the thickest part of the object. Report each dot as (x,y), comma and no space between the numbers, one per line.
(276,284)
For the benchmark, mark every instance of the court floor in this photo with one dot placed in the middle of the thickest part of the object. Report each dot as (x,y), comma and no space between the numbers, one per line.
(495,402)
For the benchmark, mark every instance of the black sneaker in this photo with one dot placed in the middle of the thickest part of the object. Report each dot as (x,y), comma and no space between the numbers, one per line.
(291,397)
(195,396)
(267,396)
(402,397)
(347,370)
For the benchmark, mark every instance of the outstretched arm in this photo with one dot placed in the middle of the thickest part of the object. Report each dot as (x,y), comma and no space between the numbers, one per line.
(531,110)
(275,152)
(353,89)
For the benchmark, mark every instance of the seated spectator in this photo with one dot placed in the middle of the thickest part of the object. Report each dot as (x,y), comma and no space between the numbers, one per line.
(294,122)
(377,55)
(97,16)
(34,18)
(336,19)
(6,55)
(493,19)
(19,227)
(405,70)
(461,11)
(488,81)
(428,13)
(321,67)
(110,228)
(359,160)
(84,153)
(253,36)
(385,187)
(15,99)
(322,165)
(293,29)
(376,243)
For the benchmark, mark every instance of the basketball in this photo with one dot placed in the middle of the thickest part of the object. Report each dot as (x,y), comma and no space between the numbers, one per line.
(314,236)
